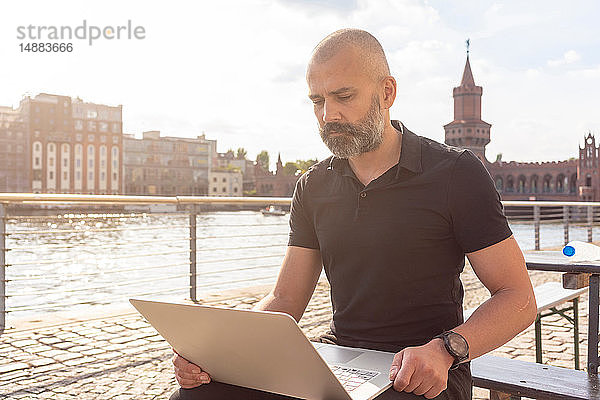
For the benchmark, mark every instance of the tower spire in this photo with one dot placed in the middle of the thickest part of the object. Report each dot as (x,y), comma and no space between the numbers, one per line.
(468,130)
(467,78)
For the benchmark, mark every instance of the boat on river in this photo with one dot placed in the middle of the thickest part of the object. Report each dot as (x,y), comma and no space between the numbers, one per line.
(272,210)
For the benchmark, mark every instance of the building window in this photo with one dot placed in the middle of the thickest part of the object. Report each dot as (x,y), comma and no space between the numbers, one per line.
(115,139)
(499,184)
(51,161)
(78,175)
(65,175)
(103,127)
(79,137)
(91,176)
(91,163)
(78,125)
(37,147)
(214,189)
(103,138)
(224,190)
(235,189)
(91,126)
(224,180)
(51,147)
(65,161)
(115,128)
(102,176)
(37,161)
(91,150)
(78,163)
(114,176)
(51,175)
(215,179)
(91,138)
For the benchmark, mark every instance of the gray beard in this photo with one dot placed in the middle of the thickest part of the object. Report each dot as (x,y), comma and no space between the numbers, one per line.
(355,139)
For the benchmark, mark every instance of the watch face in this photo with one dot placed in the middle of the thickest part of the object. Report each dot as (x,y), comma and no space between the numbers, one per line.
(458,344)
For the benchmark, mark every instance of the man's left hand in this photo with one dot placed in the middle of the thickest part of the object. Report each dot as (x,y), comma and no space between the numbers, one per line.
(422,370)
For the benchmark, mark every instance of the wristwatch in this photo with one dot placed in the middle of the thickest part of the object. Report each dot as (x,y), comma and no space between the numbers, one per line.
(456,345)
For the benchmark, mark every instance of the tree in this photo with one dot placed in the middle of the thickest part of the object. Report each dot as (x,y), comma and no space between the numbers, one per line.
(304,165)
(290,168)
(298,167)
(241,153)
(262,159)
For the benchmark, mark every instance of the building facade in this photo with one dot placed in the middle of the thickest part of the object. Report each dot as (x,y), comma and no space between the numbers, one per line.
(228,160)
(14,174)
(167,166)
(577,179)
(225,182)
(73,146)
(276,184)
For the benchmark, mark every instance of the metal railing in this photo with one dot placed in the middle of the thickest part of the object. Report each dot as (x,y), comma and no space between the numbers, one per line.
(143,263)
(147,253)
(576,214)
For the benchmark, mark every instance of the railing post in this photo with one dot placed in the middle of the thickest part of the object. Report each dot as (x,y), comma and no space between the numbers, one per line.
(590,222)
(536,224)
(193,254)
(2,268)
(566,223)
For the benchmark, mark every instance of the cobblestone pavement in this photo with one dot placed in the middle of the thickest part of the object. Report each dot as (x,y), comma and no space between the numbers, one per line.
(122,357)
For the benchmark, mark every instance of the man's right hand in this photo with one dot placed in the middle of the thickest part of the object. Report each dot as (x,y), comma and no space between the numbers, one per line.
(188,375)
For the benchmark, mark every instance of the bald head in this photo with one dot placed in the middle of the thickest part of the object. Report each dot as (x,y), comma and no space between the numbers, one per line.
(368,48)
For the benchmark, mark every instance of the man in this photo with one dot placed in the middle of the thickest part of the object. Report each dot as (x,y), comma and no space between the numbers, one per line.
(390,217)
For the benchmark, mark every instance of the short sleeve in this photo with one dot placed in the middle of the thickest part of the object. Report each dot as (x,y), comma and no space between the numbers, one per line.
(302,231)
(476,212)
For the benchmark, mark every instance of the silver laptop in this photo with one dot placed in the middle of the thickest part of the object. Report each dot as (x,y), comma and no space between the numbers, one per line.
(267,351)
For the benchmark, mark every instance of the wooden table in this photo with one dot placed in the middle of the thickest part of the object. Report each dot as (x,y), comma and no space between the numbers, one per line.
(555,261)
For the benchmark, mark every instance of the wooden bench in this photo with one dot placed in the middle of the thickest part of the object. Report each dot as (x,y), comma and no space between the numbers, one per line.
(549,297)
(510,379)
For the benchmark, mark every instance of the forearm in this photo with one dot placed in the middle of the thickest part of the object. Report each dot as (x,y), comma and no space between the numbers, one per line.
(295,284)
(271,302)
(498,320)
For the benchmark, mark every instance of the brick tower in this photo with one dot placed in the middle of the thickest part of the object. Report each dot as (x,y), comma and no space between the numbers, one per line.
(586,170)
(468,130)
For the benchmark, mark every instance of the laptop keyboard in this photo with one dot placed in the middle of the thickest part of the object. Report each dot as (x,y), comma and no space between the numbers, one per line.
(351,378)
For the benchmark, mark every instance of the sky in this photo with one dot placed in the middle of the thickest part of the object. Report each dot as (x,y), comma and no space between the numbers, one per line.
(235,70)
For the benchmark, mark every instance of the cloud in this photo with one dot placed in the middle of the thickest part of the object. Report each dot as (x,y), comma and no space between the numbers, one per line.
(569,57)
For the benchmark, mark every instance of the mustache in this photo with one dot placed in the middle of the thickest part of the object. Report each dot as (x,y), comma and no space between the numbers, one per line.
(338,127)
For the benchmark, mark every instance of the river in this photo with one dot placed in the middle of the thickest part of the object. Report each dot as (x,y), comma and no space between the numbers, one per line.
(74,261)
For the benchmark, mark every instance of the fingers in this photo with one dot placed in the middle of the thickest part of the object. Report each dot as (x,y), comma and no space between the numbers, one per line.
(404,375)
(187,374)
(396,363)
(415,375)
(433,392)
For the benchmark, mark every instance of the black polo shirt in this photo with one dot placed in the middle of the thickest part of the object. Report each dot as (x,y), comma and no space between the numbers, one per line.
(393,250)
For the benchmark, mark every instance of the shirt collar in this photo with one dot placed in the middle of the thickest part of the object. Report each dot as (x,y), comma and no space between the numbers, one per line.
(410,153)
